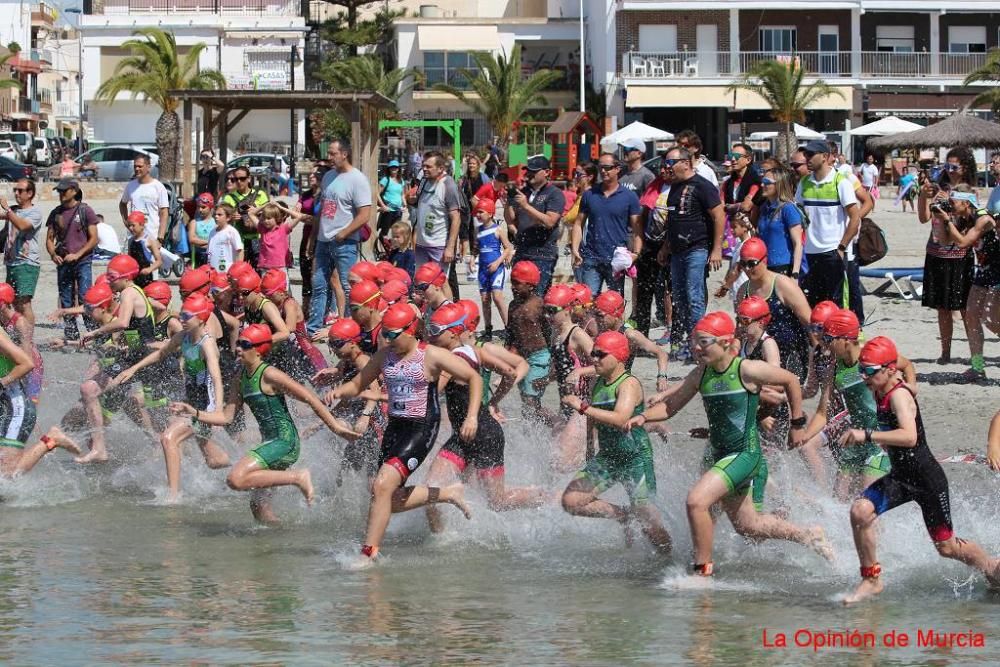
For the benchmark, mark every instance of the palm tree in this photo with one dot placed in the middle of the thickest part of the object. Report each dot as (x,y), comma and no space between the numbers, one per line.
(368,73)
(989,72)
(8,83)
(779,82)
(153,69)
(498,91)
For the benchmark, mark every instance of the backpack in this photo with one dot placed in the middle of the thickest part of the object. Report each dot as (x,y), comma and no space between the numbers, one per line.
(871,246)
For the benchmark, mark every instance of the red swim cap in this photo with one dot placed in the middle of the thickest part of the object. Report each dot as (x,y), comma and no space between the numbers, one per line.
(430,273)
(102,279)
(248,280)
(610,303)
(400,316)
(196,280)
(449,317)
(274,281)
(879,351)
(526,272)
(754,308)
(345,329)
(365,293)
(393,290)
(843,324)
(220,282)
(753,249)
(717,324)
(6,294)
(559,295)
(471,309)
(614,343)
(137,216)
(158,291)
(259,335)
(384,268)
(365,270)
(485,206)
(98,296)
(239,268)
(401,275)
(122,266)
(821,311)
(198,305)
(584,297)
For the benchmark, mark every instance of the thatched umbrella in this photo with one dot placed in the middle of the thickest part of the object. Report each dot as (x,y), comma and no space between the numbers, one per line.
(960,129)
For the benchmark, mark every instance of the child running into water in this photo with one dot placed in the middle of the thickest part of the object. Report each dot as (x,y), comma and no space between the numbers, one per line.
(225,246)
(264,388)
(401,255)
(916,476)
(495,252)
(275,223)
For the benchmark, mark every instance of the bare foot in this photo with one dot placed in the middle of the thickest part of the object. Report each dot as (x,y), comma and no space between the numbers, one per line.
(304,482)
(819,544)
(866,589)
(455,495)
(93,456)
(64,441)
(361,562)
(173,498)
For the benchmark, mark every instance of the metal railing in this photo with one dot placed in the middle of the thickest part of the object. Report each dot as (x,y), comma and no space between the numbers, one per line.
(227,7)
(822,64)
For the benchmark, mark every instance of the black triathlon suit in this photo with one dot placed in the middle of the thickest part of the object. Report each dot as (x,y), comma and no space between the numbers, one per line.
(485,452)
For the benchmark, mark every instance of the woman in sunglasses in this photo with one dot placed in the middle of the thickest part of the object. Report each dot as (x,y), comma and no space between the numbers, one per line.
(263,389)
(570,348)
(411,371)
(737,470)
(916,476)
(625,455)
(788,305)
(485,453)
(779,223)
(202,389)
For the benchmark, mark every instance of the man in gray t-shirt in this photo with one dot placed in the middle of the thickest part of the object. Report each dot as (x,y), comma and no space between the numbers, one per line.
(22,254)
(435,232)
(345,207)
(635,177)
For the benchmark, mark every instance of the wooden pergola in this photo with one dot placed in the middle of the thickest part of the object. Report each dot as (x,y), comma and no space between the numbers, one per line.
(363,109)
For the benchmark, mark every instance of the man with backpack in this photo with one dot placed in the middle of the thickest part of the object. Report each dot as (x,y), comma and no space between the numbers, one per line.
(439,214)
(244,198)
(70,240)
(831,206)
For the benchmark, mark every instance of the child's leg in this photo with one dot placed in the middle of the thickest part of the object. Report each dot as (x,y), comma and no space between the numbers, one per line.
(501,305)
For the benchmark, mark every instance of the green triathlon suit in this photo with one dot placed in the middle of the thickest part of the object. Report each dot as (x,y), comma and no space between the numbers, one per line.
(280,448)
(17,411)
(624,458)
(863,458)
(734,451)
(199,388)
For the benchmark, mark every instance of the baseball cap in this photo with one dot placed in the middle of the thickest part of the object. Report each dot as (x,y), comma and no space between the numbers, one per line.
(393,163)
(537,163)
(816,146)
(634,145)
(67,183)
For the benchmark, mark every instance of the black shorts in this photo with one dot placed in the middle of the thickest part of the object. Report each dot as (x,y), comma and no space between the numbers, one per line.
(889,492)
(946,282)
(485,453)
(407,442)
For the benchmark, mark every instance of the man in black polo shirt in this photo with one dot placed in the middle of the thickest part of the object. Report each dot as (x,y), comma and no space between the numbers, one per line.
(535,211)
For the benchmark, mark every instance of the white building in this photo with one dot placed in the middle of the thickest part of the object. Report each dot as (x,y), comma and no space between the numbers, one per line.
(249,41)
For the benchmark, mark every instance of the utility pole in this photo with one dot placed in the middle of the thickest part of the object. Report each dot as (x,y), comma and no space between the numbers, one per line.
(583,63)
(294,134)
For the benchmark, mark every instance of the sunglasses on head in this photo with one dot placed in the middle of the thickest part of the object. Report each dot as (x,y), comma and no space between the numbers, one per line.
(749,263)
(869,371)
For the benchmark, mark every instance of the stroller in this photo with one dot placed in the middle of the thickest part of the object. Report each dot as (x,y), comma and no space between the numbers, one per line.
(176,245)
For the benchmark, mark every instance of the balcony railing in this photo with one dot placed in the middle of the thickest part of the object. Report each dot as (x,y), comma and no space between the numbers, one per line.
(26,105)
(821,64)
(66,110)
(226,7)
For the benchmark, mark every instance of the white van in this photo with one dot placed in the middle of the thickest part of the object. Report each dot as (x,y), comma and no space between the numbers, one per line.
(25,141)
(43,157)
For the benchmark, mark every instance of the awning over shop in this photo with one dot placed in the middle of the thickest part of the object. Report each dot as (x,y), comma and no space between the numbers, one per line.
(448,38)
(716,96)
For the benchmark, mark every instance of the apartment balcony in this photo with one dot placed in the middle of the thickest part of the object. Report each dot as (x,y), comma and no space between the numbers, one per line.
(43,15)
(66,110)
(43,56)
(832,65)
(45,99)
(206,7)
(26,105)
(25,63)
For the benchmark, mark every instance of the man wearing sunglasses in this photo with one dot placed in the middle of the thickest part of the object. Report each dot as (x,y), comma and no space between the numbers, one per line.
(243,198)
(832,208)
(614,215)
(694,237)
(22,254)
(741,191)
(70,241)
(535,212)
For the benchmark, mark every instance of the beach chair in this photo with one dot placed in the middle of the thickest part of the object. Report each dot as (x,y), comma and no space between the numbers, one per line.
(911,278)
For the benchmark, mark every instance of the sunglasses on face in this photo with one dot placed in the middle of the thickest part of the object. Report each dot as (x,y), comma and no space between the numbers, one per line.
(953,167)
(245,293)
(704,343)
(244,344)
(337,343)
(186,316)
(767,181)
(598,354)
(230,180)
(608,167)
(242,178)
(796,165)
(552,310)
(816,329)
(670,162)
(869,371)
(421,287)
(20,190)
(736,156)
(579,174)
(393,334)
(747,321)
(749,263)
(809,154)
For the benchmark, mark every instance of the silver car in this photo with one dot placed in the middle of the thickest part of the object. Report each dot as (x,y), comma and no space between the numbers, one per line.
(114,163)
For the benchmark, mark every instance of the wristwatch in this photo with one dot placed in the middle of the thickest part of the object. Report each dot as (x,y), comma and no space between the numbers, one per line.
(795,274)
(799,422)
(841,247)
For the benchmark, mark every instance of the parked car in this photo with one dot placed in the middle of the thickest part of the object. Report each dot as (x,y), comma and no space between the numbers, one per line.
(260,164)
(25,141)
(114,163)
(11,170)
(43,157)
(10,150)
